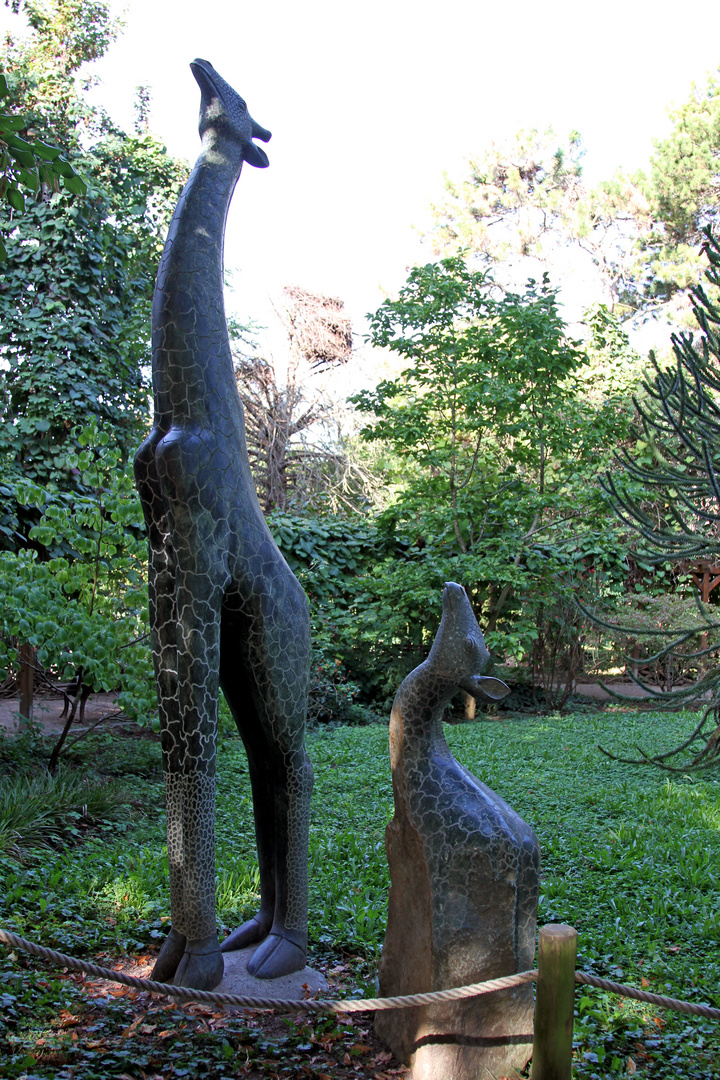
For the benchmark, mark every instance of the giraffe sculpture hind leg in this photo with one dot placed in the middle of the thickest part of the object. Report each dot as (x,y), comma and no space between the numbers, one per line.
(267,696)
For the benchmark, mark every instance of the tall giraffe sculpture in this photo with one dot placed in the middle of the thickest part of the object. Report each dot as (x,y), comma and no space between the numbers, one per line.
(225,609)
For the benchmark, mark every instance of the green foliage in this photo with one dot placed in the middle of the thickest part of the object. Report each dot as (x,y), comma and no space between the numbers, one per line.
(374,600)
(530,184)
(685,178)
(142,184)
(485,370)
(331,697)
(385,627)
(497,423)
(334,559)
(615,370)
(489,403)
(493,425)
(45,811)
(75,298)
(83,606)
(527,198)
(655,625)
(680,448)
(680,420)
(41,68)
(324,552)
(28,165)
(73,339)
(39,138)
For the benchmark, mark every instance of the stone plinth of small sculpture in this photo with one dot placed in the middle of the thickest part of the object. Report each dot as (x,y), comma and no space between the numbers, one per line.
(225,609)
(464,878)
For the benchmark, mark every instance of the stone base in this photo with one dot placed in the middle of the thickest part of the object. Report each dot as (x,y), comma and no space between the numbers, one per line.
(480,1038)
(439,1061)
(236,980)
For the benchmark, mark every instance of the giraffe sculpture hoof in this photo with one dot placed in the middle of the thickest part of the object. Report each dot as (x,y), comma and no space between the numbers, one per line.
(201,967)
(251,932)
(169,956)
(277,955)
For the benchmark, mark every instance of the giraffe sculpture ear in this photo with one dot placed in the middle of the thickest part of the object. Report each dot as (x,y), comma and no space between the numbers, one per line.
(484,687)
(255,155)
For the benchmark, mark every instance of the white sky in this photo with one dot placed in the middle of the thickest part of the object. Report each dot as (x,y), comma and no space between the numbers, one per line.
(370,103)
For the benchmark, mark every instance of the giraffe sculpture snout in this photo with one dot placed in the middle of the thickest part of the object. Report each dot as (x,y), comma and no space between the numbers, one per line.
(259,132)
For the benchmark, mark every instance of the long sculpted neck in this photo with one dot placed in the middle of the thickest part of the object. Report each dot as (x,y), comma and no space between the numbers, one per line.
(416,729)
(192,364)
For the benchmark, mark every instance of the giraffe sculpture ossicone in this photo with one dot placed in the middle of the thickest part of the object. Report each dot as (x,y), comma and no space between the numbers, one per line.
(225,609)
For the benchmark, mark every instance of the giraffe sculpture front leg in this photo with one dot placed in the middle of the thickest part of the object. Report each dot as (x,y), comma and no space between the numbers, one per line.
(198,606)
(163,635)
(163,617)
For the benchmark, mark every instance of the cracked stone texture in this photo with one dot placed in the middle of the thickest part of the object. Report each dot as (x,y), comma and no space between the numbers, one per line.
(225,609)
(464,881)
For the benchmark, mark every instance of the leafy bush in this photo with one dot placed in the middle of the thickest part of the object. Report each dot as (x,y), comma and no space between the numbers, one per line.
(331,693)
(79,595)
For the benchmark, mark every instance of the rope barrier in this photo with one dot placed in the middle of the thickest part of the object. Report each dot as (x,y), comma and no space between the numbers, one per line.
(349,1005)
(211,997)
(642,995)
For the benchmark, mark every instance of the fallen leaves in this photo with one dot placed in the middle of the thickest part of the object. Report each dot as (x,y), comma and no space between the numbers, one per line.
(151,1037)
(382,1058)
(64,1019)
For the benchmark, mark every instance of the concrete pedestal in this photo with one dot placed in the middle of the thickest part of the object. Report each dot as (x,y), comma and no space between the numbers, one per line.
(236,980)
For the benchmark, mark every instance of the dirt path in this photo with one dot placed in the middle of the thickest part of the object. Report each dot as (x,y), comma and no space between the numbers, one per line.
(47,711)
(48,708)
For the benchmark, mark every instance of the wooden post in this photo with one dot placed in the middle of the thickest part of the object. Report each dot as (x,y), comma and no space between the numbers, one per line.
(706,576)
(554,1001)
(27,672)
(635,654)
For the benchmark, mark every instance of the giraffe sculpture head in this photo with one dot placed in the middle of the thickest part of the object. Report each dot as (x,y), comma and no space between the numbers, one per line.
(224,114)
(459,653)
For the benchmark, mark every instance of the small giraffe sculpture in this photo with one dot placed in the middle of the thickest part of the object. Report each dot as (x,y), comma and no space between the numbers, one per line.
(464,877)
(225,609)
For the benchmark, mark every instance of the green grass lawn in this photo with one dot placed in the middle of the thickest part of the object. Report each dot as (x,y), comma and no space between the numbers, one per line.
(631,858)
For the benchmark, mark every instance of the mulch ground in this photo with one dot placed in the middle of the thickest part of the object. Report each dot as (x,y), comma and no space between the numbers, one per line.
(161,1040)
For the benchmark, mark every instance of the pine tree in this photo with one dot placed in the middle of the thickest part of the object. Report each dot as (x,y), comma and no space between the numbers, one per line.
(680,522)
